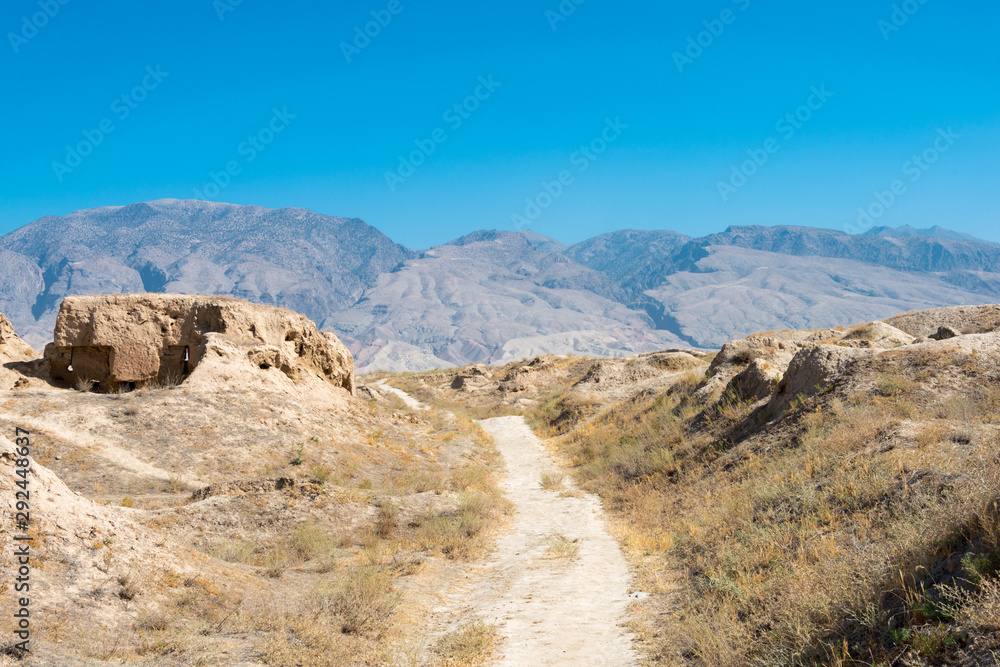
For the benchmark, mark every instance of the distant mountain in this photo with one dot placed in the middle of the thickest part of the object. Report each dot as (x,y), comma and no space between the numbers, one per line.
(727,285)
(542,242)
(935,232)
(294,258)
(491,296)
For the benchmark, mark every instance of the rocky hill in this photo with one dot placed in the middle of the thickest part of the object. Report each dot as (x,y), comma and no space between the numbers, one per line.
(491,296)
(314,264)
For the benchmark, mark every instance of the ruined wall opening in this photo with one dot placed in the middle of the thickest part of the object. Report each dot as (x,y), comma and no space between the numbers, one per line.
(175,364)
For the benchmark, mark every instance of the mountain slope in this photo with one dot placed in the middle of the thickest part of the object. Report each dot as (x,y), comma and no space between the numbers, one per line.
(294,258)
(747,279)
(492,296)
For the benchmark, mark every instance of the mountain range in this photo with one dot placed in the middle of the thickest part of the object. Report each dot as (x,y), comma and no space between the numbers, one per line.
(491,296)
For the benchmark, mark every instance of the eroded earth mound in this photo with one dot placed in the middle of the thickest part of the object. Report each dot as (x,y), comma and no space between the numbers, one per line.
(131,339)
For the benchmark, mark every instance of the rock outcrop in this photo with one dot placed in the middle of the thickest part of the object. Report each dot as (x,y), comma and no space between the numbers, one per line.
(813,370)
(959,319)
(755,382)
(473,377)
(132,339)
(878,335)
(12,350)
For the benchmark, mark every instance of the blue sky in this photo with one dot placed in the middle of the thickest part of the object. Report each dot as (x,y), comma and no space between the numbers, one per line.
(589,120)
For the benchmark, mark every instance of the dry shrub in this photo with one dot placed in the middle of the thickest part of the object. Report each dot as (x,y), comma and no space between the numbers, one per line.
(310,541)
(471,645)
(983,610)
(865,332)
(85,385)
(460,535)
(362,599)
(130,586)
(552,481)
(562,548)
(894,385)
(386,520)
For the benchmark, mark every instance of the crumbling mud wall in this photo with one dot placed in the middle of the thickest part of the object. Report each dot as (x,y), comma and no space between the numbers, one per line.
(132,339)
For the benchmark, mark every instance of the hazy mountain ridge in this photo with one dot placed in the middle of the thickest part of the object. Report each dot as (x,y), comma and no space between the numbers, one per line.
(294,258)
(489,292)
(490,296)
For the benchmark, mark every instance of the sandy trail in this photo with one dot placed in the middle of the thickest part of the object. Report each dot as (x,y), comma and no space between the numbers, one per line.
(411,402)
(552,611)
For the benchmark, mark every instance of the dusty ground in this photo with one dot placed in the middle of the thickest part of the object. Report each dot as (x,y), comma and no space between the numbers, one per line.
(556,587)
(557,583)
(292,495)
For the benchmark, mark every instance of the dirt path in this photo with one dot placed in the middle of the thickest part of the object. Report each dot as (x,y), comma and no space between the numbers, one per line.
(552,611)
(411,402)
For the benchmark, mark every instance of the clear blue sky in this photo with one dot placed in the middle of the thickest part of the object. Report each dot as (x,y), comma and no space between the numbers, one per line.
(893,90)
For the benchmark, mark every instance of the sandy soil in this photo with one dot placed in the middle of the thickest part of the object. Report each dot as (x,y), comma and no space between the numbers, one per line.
(550,610)
(411,402)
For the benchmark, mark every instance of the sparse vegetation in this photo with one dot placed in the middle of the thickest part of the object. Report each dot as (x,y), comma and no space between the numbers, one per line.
(471,645)
(553,481)
(831,536)
(562,548)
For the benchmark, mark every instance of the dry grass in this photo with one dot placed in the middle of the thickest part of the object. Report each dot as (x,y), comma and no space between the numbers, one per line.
(826,537)
(303,582)
(553,481)
(466,533)
(471,645)
(562,548)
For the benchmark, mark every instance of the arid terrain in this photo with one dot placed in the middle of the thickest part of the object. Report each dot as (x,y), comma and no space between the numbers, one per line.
(819,497)
(240,517)
(798,497)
